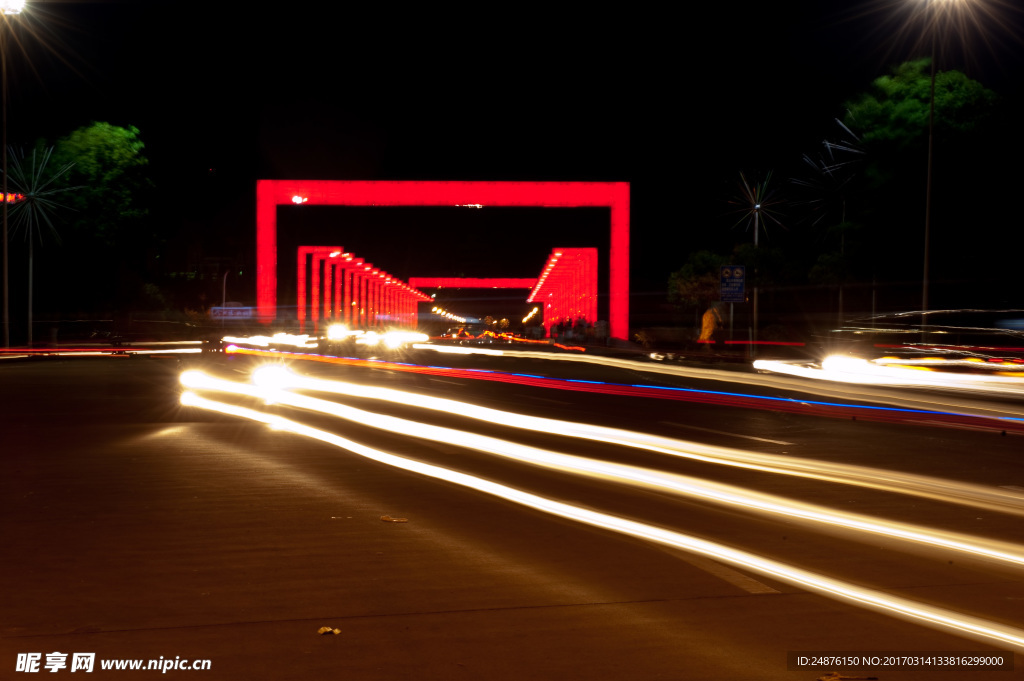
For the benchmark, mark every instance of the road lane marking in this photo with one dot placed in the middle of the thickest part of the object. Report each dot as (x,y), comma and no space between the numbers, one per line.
(727,574)
(967,494)
(542,399)
(686,486)
(937,617)
(722,432)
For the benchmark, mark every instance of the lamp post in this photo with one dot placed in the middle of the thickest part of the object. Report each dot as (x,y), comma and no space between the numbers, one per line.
(928,183)
(7,8)
(937,13)
(757,204)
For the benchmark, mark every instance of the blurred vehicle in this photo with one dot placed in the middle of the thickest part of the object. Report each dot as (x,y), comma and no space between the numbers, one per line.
(983,335)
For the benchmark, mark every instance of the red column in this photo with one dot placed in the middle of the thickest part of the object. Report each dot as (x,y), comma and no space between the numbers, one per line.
(359,309)
(378,294)
(364,295)
(593,285)
(300,302)
(339,277)
(389,301)
(350,299)
(329,289)
(315,293)
(374,298)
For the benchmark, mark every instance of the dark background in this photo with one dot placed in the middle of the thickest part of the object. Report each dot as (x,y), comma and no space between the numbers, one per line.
(675,105)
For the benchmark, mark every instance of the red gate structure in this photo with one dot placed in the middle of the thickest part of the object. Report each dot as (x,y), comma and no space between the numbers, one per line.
(612,195)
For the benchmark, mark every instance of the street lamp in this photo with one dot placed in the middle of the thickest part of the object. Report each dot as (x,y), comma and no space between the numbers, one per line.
(928,178)
(757,204)
(7,8)
(949,12)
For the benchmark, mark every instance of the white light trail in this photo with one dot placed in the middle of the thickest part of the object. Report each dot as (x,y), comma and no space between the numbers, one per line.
(950,491)
(855,370)
(187,342)
(176,351)
(296,340)
(971,627)
(458,349)
(271,379)
(859,390)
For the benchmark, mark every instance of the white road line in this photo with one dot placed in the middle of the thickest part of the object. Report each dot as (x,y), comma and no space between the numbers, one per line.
(944,619)
(722,432)
(727,574)
(441,380)
(542,399)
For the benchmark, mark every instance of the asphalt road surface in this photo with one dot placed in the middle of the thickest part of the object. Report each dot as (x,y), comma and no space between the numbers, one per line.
(138,528)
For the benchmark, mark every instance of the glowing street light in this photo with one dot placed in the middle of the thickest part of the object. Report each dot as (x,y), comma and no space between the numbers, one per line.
(958,14)
(7,8)
(757,206)
(928,175)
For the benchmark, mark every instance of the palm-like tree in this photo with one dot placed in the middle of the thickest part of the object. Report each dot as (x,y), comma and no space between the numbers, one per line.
(831,178)
(758,203)
(32,176)
(828,187)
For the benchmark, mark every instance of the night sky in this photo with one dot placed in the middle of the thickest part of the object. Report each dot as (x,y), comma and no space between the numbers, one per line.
(675,105)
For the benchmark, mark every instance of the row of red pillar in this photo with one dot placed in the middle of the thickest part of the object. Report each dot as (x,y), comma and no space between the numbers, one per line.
(343,288)
(567,287)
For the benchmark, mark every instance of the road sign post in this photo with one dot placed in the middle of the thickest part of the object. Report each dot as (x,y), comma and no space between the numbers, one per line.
(733,288)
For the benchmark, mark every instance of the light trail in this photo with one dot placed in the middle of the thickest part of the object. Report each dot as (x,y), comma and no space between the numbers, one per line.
(860,390)
(890,373)
(776,380)
(92,352)
(721,494)
(832,368)
(294,340)
(966,494)
(968,626)
(459,350)
(829,409)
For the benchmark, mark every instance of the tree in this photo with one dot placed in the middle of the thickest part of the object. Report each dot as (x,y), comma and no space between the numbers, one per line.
(829,182)
(895,110)
(758,203)
(110,167)
(892,119)
(697,284)
(110,238)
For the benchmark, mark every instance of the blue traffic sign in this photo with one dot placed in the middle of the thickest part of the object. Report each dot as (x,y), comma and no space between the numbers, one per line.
(733,288)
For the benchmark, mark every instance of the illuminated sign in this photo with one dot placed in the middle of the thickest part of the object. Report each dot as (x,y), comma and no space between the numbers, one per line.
(231,312)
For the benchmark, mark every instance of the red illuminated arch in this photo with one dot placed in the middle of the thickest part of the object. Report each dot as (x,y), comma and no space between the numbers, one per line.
(614,195)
